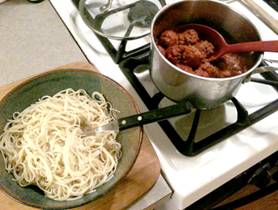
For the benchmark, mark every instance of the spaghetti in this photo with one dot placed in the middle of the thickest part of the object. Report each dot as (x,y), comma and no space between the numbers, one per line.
(44,144)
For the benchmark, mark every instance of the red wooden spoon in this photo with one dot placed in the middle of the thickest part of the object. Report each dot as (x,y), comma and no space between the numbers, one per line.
(222,47)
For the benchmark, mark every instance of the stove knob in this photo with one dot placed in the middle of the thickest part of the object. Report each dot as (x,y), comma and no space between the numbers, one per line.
(261,177)
(275,176)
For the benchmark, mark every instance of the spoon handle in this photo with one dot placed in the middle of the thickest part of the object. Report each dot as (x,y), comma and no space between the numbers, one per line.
(257,46)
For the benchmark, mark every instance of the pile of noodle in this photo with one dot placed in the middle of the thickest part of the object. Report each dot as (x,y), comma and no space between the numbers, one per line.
(44,145)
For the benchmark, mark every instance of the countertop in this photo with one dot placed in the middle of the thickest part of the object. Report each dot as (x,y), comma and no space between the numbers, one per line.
(34,39)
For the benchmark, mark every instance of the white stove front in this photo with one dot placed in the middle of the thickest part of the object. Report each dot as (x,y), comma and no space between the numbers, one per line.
(192,177)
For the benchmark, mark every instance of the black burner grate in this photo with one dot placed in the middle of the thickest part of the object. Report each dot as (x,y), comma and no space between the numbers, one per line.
(190,146)
(130,62)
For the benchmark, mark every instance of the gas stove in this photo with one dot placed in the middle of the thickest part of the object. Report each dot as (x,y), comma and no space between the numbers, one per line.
(193,173)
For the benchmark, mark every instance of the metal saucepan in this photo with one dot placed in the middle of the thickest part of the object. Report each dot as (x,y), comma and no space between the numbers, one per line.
(202,92)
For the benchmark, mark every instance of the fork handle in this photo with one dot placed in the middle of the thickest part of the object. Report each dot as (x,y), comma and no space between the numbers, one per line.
(154,115)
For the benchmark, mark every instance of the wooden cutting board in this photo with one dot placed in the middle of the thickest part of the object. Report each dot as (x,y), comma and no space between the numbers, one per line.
(138,181)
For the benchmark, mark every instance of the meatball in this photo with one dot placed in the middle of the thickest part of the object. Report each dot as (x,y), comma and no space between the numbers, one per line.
(161,49)
(205,47)
(185,68)
(192,57)
(175,53)
(201,73)
(227,73)
(232,62)
(211,70)
(168,38)
(185,50)
(189,36)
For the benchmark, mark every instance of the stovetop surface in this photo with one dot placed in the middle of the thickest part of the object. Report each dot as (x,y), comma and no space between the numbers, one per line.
(192,177)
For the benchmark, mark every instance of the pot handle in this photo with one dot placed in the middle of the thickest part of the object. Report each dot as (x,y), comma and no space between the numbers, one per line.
(263,69)
(260,70)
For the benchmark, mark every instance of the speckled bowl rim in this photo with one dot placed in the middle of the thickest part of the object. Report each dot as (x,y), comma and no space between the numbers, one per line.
(117,85)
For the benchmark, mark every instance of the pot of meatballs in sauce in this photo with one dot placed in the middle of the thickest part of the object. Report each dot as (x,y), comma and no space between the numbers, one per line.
(180,64)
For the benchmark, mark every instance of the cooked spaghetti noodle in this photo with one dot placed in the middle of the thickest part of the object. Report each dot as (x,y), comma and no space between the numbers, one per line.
(44,145)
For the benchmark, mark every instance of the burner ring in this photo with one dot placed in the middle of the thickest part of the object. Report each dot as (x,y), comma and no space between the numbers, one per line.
(142,13)
(119,22)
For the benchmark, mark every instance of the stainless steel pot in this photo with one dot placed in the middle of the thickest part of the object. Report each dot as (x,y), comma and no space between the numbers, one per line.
(180,85)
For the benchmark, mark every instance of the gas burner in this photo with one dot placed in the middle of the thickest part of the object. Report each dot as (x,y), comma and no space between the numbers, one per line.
(142,13)
(119,20)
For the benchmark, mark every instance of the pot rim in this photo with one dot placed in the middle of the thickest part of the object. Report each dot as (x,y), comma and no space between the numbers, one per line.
(256,64)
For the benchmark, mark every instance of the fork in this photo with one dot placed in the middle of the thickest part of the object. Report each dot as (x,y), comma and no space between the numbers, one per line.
(141,119)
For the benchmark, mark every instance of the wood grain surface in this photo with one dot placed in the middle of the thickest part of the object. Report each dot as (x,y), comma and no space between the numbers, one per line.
(268,202)
(138,181)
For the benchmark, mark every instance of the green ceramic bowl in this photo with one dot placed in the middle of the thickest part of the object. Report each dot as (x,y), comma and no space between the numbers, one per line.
(50,83)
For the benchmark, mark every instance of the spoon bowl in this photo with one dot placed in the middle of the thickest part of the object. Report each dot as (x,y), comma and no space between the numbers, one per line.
(222,47)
